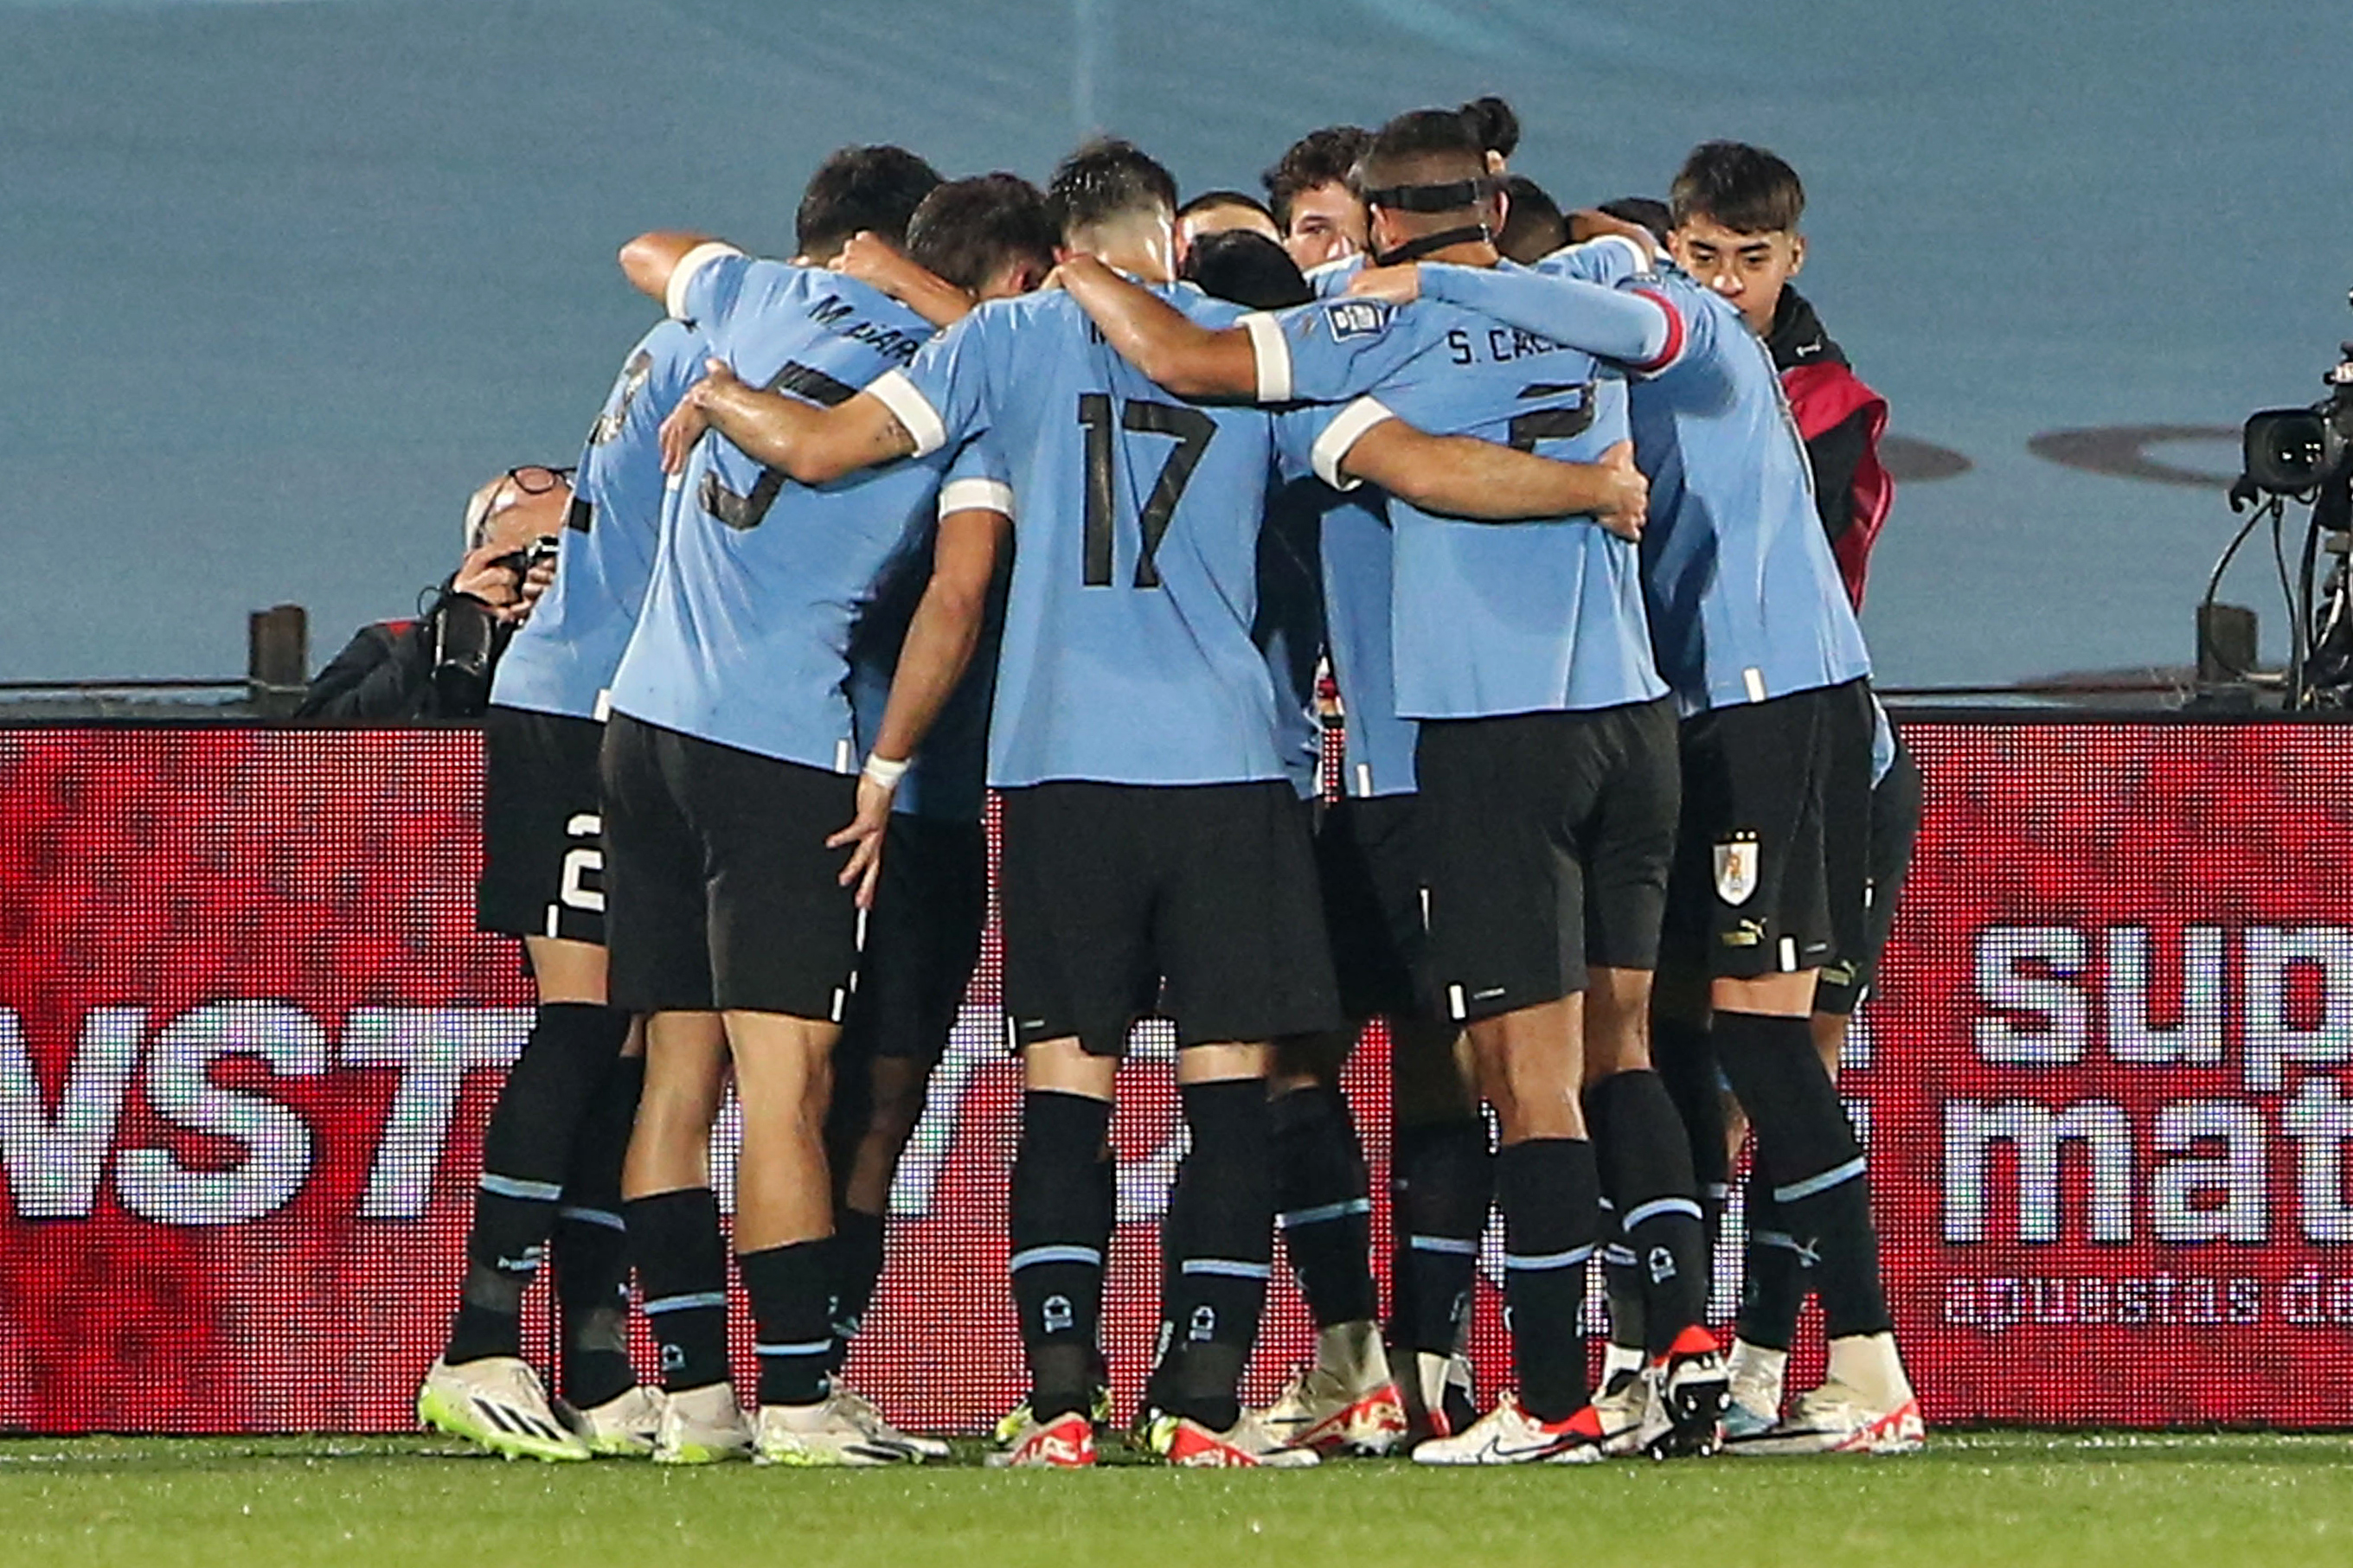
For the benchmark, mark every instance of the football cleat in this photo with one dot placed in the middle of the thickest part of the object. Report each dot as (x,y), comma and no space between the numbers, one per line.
(624,1427)
(830,1432)
(702,1426)
(1864,1406)
(1065,1443)
(1016,1421)
(1439,1396)
(1325,1411)
(1627,1404)
(1508,1434)
(498,1403)
(1691,1382)
(1246,1445)
(862,1411)
(1755,1403)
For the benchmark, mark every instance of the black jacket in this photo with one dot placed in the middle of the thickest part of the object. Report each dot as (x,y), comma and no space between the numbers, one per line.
(385,674)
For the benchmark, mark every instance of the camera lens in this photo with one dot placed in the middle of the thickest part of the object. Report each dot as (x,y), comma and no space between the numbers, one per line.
(2290,449)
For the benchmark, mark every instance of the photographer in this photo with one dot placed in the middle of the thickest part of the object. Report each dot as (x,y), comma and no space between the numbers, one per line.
(438,665)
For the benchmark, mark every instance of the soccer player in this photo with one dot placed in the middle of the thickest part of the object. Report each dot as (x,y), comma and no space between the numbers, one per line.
(551,1155)
(1148,828)
(1758,638)
(729,760)
(1544,759)
(1218,212)
(988,238)
(1735,228)
(1321,219)
(1533,225)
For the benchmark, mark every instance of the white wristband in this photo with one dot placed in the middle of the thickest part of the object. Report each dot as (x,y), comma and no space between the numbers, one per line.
(885,772)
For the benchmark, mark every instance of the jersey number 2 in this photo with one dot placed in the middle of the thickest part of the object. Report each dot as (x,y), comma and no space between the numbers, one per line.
(1193,431)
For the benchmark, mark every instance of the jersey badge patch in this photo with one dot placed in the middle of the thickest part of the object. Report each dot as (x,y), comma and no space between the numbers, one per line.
(1736,869)
(1355,318)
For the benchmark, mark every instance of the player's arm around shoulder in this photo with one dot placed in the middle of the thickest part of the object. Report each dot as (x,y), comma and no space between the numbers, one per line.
(1482,482)
(813,445)
(1183,355)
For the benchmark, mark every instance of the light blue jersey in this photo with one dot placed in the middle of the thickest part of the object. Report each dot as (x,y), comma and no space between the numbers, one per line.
(1486,619)
(1127,656)
(1745,600)
(563,660)
(745,635)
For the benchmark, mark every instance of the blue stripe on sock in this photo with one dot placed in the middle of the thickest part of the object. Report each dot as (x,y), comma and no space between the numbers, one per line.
(1830,1178)
(1780,1238)
(1231,1267)
(512,1187)
(685,1303)
(1623,1257)
(604,1217)
(1537,1262)
(1657,1207)
(1322,1213)
(1029,1256)
(1446,1243)
(805,1347)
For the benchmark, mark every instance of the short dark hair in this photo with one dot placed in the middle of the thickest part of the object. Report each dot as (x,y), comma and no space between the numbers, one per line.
(1319,158)
(1745,188)
(1491,119)
(876,188)
(1422,147)
(1532,226)
(1648,211)
(1209,199)
(1245,266)
(1107,178)
(967,231)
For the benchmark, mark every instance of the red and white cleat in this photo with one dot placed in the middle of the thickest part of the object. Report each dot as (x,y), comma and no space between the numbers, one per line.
(1508,1434)
(1065,1443)
(1322,1410)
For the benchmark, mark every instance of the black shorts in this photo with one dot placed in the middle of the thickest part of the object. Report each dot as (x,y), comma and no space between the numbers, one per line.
(1369,863)
(1770,860)
(543,844)
(720,891)
(1201,895)
(922,938)
(1895,808)
(1548,838)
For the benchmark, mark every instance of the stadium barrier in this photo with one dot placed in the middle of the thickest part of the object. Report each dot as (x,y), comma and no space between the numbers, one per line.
(248,1038)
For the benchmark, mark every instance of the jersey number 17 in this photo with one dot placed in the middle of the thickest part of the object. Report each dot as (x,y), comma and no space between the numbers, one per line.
(1192,429)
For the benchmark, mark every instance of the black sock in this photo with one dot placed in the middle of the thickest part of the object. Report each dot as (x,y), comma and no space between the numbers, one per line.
(592,1252)
(526,1155)
(1223,1208)
(1685,1055)
(1774,1288)
(1820,1185)
(1058,1245)
(858,1267)
(1324,1203)
(1621,1277)
(791,1289)
(1442,1182)
(682,1271)
(1551,1197)
(1646,1169)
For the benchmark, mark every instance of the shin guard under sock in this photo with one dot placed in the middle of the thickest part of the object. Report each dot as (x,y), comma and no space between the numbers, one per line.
(526,1156)
(1324,1203)
(791,1289)
(1222,1206)
(1818,1170)
(858,1267)
(1773,1287)
(1683,1053)
(1443,1184)
(1058,1245)
(592,1252)
(1551,1196)
(1646,1169)
(682,1271)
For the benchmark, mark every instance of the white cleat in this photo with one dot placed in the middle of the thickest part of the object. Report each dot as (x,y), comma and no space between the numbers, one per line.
(1864,1406)
(1627,1404)
(1329,1413)
(1246,1445)
(498,1403)
(1508,1434)
(1754,1407)
(828,1433)
(862,1410)
(624,1427)
(702,1426)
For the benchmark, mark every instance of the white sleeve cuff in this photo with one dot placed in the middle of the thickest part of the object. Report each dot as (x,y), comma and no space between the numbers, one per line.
(912,409)
(1341,436)
(1644,261)
(976,495)
(1272,356)
(682,275)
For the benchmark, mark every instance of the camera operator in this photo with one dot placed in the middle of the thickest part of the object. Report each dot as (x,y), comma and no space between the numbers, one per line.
(438,665)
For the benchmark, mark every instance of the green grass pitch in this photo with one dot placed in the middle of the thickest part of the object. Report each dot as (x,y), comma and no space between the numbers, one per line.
(2080,1499)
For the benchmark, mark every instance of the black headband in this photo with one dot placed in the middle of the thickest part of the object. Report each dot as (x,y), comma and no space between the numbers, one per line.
(1429,244)
(1446,198)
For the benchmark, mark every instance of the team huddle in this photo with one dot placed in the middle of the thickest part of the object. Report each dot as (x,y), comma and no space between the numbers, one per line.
(1089,499)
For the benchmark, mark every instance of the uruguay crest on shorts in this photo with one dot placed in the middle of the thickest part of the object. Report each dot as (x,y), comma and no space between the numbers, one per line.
(1736,869)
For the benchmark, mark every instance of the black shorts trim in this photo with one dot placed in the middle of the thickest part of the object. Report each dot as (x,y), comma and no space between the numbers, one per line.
(922,938)
(542,827)
(1772,857)
(720,891)
(1548,838)
(1198,901)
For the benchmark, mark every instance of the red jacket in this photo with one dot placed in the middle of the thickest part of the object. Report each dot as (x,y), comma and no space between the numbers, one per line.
(1841,421)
